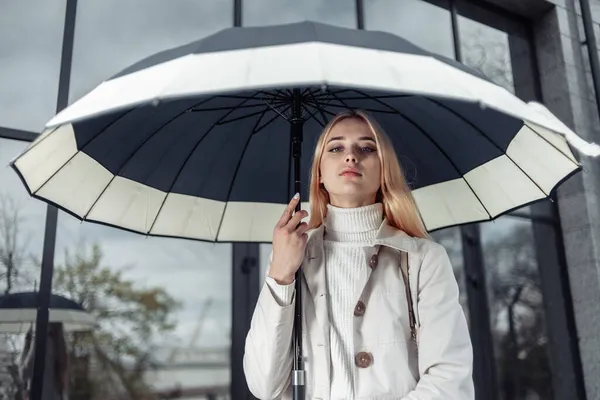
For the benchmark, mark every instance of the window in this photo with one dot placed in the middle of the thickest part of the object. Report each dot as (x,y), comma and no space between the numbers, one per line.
(22,221)
(164,304)
(107,42)
(517,316)
(417,21)
(274,12)
(31,33)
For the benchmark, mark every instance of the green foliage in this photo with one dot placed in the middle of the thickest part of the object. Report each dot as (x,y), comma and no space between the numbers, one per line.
(129,317)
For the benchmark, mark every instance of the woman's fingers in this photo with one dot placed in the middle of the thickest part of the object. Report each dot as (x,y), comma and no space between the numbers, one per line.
(287,213)
(296,219)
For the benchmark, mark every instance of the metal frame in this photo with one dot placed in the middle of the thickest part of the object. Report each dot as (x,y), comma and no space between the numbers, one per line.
(246,280)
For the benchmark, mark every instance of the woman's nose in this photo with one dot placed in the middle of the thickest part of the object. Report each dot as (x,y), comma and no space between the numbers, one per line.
(350,157)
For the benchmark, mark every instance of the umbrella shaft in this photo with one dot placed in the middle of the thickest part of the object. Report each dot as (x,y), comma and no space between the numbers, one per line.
(296,139)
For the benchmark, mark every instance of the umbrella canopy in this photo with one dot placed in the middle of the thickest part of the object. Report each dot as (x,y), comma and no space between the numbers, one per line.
(194,142)
(18,312)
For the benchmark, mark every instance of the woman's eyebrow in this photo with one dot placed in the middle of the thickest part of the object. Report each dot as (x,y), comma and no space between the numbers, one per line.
(360,138)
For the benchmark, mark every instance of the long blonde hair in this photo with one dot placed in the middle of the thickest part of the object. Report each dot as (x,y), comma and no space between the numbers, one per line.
(399,206)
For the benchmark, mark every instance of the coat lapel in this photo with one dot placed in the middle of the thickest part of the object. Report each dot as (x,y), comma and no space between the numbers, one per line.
(316,279)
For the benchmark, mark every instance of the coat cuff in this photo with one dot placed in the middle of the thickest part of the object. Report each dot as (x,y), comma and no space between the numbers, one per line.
(283,294)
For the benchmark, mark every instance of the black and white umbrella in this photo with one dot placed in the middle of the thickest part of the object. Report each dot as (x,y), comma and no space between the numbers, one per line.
(18,311)
(198,141)
(191,141)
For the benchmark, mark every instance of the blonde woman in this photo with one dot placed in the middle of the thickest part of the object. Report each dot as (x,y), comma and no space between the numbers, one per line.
(366,334)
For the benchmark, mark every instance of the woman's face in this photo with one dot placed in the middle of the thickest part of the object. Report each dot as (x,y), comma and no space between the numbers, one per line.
(350,167)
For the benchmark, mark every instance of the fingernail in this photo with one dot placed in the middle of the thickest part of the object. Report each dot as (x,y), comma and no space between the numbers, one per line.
(297,196)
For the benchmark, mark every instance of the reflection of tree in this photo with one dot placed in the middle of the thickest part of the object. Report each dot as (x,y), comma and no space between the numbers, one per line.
(14,257)
(111,361)
(517,316)
(117,355)
(487,50)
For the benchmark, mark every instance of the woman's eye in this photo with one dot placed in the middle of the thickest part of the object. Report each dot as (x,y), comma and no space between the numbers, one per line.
(367,149)
(336,149)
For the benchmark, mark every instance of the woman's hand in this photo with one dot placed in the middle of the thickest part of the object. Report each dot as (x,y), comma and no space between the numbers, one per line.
(289,243)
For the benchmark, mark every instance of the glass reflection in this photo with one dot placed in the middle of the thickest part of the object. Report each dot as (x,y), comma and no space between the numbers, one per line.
(21,237)
(516,309)
(107,41)
(487,50)
(422,23)
(274,12)
(164,305)
(30,47)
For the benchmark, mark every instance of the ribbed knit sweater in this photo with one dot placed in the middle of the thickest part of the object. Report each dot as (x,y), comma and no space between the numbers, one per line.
(347,232)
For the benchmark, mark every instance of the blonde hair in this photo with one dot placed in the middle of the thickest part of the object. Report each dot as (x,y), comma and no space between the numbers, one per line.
(399,206)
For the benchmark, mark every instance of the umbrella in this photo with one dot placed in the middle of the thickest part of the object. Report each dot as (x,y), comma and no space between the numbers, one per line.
(208,141)
(19,311)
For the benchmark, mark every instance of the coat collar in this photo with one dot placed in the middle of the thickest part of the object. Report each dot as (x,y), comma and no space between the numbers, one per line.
(387,235)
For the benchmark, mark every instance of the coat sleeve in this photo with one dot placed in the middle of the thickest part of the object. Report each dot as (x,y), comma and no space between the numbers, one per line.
(445,350)
(268,354)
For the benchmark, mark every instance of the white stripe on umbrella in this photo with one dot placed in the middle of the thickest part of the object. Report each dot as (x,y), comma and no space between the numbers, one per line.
(312,63)
(535,162)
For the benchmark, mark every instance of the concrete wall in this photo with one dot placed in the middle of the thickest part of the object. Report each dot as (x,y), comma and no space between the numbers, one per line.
(567,91)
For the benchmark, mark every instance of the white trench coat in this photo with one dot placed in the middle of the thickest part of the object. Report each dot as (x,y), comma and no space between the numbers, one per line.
(440,370)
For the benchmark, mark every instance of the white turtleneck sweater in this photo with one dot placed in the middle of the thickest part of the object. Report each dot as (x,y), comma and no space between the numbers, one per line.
(347,232)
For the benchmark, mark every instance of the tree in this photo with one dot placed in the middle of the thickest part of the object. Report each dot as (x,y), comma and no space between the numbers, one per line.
(119,352)
(517,315)
(14,256)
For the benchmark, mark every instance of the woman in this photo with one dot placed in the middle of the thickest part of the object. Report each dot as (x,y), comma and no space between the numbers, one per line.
(56,378)
(365,334)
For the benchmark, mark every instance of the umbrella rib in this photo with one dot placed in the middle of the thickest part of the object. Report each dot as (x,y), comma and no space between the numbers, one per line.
(270,121)
(185,163)
(325,120)
(435,144)
(237,168)
(247,116)
(489,139)
(304,106)
(225,108)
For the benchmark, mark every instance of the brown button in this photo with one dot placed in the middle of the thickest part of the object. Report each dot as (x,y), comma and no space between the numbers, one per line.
(363,359)
(374,261)
(360,308)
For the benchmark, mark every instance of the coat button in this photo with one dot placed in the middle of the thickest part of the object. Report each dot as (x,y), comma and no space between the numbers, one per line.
(374,261)
(359,309)
(363,359)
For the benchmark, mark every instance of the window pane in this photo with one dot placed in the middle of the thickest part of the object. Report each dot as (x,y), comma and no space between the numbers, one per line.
(181,287)
(21,238)
(107,41)
(274,12)
(516,309)
(422,23)
(168,299)
(31,34)
(22,220)
(487,49)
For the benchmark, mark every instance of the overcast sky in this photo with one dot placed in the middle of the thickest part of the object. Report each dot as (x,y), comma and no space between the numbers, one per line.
(112,34)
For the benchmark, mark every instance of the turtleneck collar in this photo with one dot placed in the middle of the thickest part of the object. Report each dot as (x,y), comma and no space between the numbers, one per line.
(353,224)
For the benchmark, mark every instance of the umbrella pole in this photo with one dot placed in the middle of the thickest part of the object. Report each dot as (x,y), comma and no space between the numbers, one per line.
(298,373)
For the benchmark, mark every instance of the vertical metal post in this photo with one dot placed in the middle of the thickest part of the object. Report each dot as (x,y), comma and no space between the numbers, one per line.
(47,268)
(590,40)
(484,371)
(237,12)
(360,14)
(244,291)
